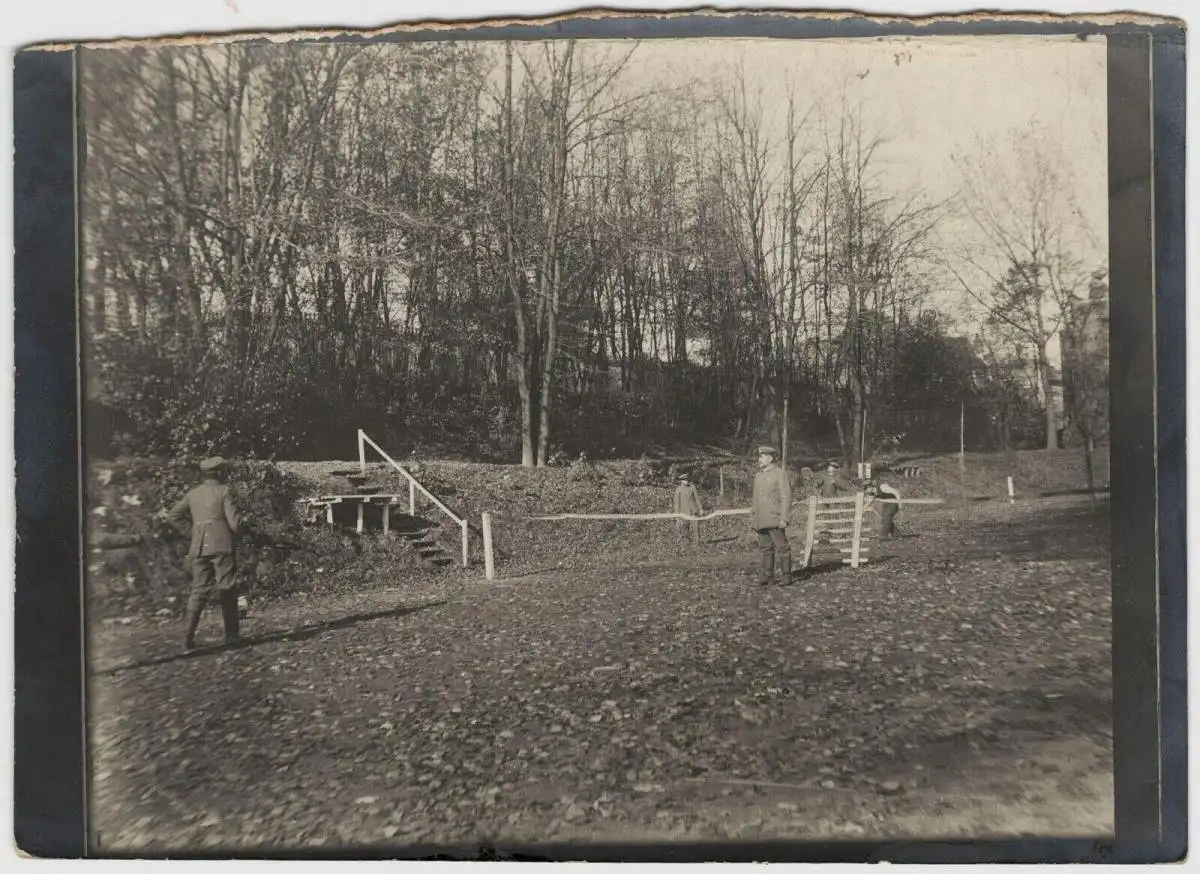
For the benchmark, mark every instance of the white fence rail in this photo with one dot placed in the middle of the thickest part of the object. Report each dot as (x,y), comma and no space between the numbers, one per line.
(414,486)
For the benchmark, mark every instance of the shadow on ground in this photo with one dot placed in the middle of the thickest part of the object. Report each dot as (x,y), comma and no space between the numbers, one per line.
(302,632)
(832,566)
(1066,534)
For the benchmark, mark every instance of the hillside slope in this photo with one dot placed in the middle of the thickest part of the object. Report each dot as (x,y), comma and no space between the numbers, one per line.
(124,496)
(512,494)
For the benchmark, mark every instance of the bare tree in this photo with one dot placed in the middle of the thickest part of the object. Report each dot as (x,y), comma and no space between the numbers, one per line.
(874,244)
(1023,206)
(1086,369)
(565,101)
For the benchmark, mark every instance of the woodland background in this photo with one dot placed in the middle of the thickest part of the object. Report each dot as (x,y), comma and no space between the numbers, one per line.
(522,252)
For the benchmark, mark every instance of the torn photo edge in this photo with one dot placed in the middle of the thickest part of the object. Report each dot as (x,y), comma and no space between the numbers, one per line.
(1146,140)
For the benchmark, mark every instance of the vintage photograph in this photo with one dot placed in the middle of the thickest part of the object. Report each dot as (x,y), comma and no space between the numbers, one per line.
(595,441)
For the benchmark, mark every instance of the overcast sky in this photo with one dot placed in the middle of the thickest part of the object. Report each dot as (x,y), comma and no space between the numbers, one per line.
(930,98)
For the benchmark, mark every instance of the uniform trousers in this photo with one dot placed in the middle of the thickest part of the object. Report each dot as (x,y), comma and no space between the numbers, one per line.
(887,518)
(211,572)
(773,544)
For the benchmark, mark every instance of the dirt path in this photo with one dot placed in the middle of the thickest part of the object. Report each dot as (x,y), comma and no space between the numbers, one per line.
(958,687)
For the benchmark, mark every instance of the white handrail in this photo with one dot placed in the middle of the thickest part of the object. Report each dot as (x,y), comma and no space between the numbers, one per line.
(411,479)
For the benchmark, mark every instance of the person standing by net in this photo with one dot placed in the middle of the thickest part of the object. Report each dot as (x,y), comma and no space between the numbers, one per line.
(686,501)
(212,509)
(832,482)
(770,506)
(889,506)
(832,485)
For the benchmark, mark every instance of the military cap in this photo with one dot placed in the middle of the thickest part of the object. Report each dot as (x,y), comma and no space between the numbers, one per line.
(683,477)
(768,450)
(214,463)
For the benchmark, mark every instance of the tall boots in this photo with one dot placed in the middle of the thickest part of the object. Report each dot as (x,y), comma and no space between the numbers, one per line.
(229,613)
(228,600)
(191,621)
(774,548)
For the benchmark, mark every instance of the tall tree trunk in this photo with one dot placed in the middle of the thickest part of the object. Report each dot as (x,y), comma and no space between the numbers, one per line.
(1048,392)
(521,356)
(549,277)
(181,244)
(548,369)
(1089,460)
(854,456)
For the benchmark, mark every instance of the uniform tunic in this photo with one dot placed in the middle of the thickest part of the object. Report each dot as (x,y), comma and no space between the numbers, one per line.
(771,503)
(214,515)
(770,507)
(889,506)
(832,484)
(687,501)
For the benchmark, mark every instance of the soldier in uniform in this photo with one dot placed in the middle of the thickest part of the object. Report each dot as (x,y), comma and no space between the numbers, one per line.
(770,506)
(889,506)
(213,512)
(687,501)
(832,482)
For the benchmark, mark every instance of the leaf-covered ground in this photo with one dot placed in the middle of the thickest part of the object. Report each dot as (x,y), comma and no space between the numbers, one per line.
(958,686)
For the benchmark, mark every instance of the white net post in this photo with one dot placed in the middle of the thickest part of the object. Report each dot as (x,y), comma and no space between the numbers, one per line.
(489,559)
(856,544)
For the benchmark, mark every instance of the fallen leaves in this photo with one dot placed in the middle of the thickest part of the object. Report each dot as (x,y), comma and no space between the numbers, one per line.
(563,701)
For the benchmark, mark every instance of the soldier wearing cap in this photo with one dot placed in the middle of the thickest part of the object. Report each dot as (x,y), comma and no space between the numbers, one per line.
(214,516)
(831,485)
(686,501)
(832,482)
(770,507)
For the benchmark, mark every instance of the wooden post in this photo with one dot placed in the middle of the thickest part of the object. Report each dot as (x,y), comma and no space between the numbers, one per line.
(361,508)
(783,448)
(412,498)
(1011,496)
(465,555)
(962,441)
(721,472)
(362,453)
(811,532)
(387,516)
(329,513)
(862,443)
(489,561)
(857,542)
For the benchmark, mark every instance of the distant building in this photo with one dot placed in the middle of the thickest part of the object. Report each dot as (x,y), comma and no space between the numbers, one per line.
(1090,322)
(1087,336)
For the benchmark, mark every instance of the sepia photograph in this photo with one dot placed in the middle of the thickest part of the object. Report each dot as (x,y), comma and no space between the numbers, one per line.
(496,441)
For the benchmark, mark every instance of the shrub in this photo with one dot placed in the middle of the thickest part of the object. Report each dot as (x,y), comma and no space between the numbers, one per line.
(277,554)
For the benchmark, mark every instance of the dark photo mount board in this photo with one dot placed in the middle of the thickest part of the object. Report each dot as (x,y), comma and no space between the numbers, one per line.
(1146,138)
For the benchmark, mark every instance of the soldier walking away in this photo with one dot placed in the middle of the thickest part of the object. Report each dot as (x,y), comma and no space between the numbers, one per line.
(770,507)
(686,500)
(213,512)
